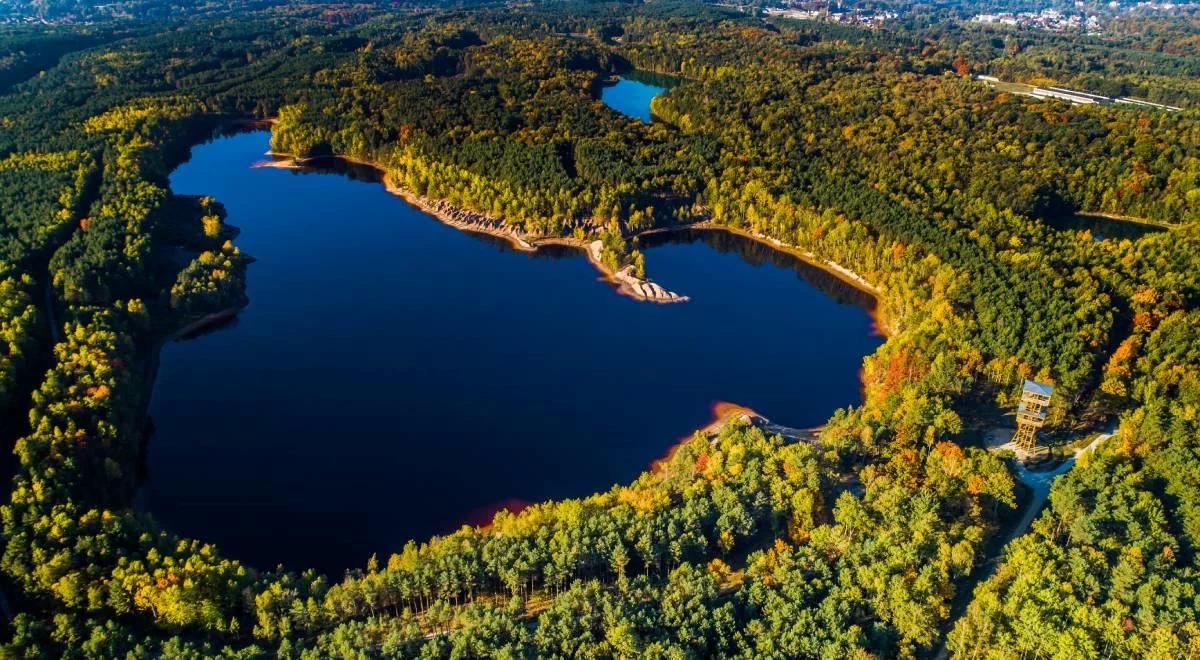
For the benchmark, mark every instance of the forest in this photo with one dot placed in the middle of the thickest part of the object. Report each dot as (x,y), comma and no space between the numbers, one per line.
(873,149)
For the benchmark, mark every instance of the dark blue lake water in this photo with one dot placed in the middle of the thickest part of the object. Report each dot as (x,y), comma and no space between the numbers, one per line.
(394,377)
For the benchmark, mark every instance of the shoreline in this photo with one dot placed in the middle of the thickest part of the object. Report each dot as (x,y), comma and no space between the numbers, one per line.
(205,322)
(1125,218)
(725,413)
(839,271)
(845,274)
(626,282)
(621,277)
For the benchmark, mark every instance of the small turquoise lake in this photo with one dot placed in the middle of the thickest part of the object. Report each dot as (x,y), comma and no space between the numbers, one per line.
(632,93)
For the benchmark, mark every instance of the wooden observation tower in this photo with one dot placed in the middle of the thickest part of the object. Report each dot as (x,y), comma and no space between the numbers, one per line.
(1031,414)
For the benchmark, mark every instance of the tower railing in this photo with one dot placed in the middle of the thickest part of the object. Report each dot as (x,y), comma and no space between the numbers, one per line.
(1031,413)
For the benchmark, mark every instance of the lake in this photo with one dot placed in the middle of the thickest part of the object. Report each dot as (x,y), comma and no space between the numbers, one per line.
(633,91)
(394,378)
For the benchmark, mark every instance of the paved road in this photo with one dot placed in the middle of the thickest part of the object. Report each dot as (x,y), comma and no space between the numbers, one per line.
(1039,483)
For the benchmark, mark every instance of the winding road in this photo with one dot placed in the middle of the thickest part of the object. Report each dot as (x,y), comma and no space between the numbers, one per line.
(1039,484)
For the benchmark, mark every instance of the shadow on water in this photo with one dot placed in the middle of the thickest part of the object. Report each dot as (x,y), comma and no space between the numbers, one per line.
(334,165)
(1102,228)
(757,254)
(364,173)
(223,323)
(653,79)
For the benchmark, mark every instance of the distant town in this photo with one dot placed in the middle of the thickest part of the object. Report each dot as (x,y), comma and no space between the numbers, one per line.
(1082,17)
(823,12)
(1052,20)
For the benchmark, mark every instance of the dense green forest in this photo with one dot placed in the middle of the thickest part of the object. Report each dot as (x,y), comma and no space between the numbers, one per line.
(871,149)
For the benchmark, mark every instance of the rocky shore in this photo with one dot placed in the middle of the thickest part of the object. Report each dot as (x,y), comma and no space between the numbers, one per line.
(630,284)
(725,412)
(467,220)
(463,219)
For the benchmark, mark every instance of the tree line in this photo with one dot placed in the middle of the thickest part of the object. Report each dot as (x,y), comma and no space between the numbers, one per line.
(855,147)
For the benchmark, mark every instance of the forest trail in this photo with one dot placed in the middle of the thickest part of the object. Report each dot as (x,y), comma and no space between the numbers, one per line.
(1039,483)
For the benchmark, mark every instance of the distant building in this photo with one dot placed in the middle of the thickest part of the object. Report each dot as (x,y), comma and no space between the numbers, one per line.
(1087,95)
(1077,98)
(1148,104)
(1031,413)
(1073,96)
